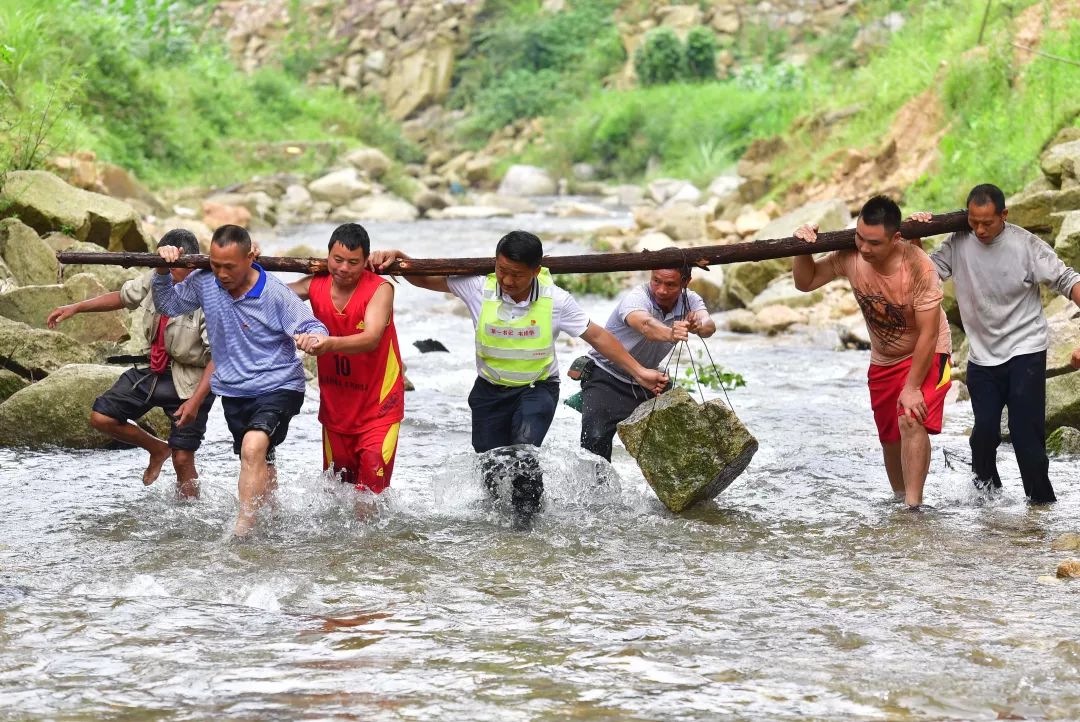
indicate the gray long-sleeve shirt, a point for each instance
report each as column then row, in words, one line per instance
column 997, row 289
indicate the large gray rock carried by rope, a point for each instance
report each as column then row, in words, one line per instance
column 688, row 452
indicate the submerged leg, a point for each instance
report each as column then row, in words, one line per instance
column 255, row 479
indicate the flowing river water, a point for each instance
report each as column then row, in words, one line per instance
column 802, row 592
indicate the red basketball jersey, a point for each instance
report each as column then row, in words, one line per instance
column 357, row 391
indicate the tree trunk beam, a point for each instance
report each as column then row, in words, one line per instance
column 698, row 256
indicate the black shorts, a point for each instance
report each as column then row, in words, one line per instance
column 137, row 391
column 270, row 413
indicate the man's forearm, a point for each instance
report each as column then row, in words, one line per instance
column 614, row 351
column 922, row 357
column 104, row 302
column 203, row 389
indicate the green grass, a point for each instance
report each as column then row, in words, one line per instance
column 148, row 88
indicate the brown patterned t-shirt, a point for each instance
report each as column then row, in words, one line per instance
column 889, row 303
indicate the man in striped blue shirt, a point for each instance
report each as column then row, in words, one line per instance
column 251, row 321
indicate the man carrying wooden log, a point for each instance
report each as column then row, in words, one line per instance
column 997, row 268
column 251, row 320
column 648, row 322
column 177, row 379
column 517, row 312
column 361, row 381
column 898, row 291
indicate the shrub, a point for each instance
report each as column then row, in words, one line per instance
column 661, row 58
column 701, row 54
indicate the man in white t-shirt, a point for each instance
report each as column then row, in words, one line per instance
column 649, row 320
column 517, row 312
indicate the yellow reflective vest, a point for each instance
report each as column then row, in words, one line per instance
column 515, row 351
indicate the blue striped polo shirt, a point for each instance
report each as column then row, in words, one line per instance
column 251, row 337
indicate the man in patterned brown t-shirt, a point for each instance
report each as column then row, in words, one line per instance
column 898, row 290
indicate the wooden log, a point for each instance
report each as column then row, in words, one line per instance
column 698, row 256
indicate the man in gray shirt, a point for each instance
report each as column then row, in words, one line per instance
column 997, row 268
column 648, row 322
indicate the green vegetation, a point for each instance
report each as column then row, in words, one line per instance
column 605, row 285
column 710, row 376
column 661, row 59
column 147, row 86
column 701, row 54
column 524, row 62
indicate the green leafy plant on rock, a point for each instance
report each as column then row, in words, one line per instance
column 704, row 373
column 660, row 59
column 701, row 54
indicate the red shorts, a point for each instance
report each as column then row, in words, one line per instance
column 886, row 383
column 365, row 459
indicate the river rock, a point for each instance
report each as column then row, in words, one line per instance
column 216, row 215
column 1068, row 569
column 1067, row 542
column 1056, row 157
column 652, row 241
column 31, row 305
column 382, row 208
column 339, row 187
column 111, row 277
column 1063, row 401
column 1063, row 441
column 665, row 190
column 46, row 203
column 459, row 213
column 27, row 259
column 34, row 353
column 1067, row 241
column 774, row 319
column 688, row 452
column 740, row 320
column 744, row 281
column 297, row 200
column 1035, row 209
column 56, row 411
column 10, row 382
column 781, row 291
column 527, row 180
column 371, row 161
column 709, row 284
column 683, row 221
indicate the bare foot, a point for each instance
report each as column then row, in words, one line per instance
column 188, row 490
column 153, row 469
column 245, row 522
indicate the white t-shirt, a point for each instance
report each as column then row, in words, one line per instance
column 566, row 315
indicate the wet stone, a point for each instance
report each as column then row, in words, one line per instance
column 1068, row 569
column 688, row 452
column 1069, row 541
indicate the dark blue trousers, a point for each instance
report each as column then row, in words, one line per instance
column 510, row 415
column 1019, row 384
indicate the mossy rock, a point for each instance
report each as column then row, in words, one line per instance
column 10, row 383
column 111, row 277
column 688, row 452
column 29, row 259
column 1064, row 441
column 32, row 304
column 56, row 410
column 35, row 353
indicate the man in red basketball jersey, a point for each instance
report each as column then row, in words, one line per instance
column 361, row 383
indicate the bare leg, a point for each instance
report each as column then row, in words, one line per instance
column 894, row 467
column 187, row 478
column 254, row 479
column 129, row 433
column 915, row 452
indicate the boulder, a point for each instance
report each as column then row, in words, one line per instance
column 653, row 241
column 853, row 332
column 297, row 200
column 628, row 195
column 1064, row 441
column 382, row 208
column 110, row 276
column 1034, row 209
column 420, row 77
column 339, row 187
column 527, row 180
column 427, row 200
column 10, row 382
column 828, row 215
column 1067, row 241
column 56, row 411
column 1067, row 542
column 35, row 353
column 774, row 319
column 744, row 281
column 688, row 452
column 578, row 209
column 1063, row 401
column 1064, row 332
column 478, row 170
column 683, row 221
column 119, row 183
column 709, row 284
column 46, row 203
column 751, row 222
column 781, row 291
column 31, row 305
column 371, row 161
column 664, row 190
column 27, row 259
column 741, row 321
column 1068, row 569
column 514, row 204
column 216, row 215
column 1056, row 157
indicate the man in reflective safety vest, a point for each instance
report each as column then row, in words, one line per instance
column 518, row 311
